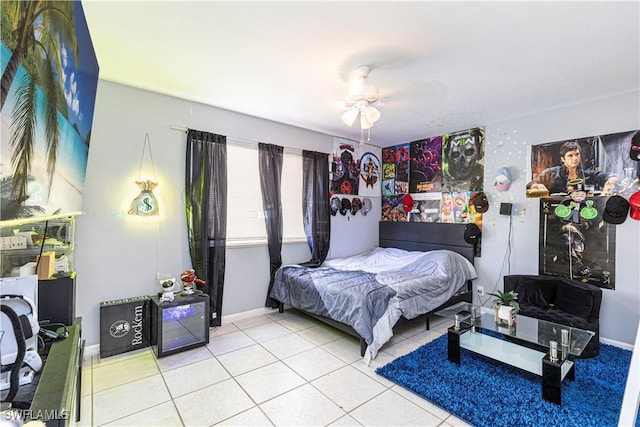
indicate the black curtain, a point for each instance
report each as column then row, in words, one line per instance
column 270, row 164
column 315, row 205
column 206, row 209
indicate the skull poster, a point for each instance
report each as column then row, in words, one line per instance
column 463, row 160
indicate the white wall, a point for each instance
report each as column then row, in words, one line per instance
column 117, row 255
column 507, row 144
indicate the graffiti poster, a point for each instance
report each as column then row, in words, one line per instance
column 52, row 92
column 426, row 165
column 463, row 160
column 370, row 175
column 600, row 163
column 393, row 210
column 345, row 167
column 581, row 249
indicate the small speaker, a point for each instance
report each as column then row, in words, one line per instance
column 505, row 208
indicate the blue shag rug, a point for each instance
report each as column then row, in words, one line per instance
column 484, row 392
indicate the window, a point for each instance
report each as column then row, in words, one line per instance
column 245, row 214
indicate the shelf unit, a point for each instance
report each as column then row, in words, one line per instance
column 48, row 235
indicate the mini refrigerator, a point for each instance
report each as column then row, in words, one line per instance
column 179, row 325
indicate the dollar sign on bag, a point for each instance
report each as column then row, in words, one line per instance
column 145, row 203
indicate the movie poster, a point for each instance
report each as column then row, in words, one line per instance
column 426, row 165
column 370, row 175
column 345, row 167
column 601, row 164
column 426, row 208
column 53, row 94
column 577, row 248
column 463, row 160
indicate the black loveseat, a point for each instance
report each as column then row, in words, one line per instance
column 560, row 300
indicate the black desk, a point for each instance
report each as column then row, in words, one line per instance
column 57, row 398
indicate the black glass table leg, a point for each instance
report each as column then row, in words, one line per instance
column 453, row 345
column 552, row 380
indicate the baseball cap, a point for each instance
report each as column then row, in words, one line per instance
column 356, row 205
column 634, row 153
column 634, row 204
column 345, row 206
column 472, row 233
column 616, row 210
column 503, row 179
column 366, row 206
column 407, row 203
column 479, row 201
column 335, row 205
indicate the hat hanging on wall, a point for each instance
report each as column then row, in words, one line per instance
column 503, row 179
column 634, row 153
column 634, row 205
column 145, row 203
column 345, row 206
column 407, row 203
column 472, row 233
column 616, row 210
column 356, row 205
column 366, row 206
column 480, row 202
column 335, row 205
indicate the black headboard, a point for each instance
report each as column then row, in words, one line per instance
column 425, row 236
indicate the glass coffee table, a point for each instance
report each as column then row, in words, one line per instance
column 544, row 348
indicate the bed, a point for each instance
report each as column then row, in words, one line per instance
column 417, row 269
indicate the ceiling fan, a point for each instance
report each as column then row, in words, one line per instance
column 362, row 101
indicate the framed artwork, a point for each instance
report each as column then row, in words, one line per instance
column 48, row 99
column 577, row 248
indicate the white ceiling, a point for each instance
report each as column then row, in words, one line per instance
column 442, row 66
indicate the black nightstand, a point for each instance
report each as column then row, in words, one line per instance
column 179, row 325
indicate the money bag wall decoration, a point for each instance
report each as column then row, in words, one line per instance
column 145, row 203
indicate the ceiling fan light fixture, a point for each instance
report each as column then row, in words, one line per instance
column 349, row 117
column 372, row 114
column 364, row 122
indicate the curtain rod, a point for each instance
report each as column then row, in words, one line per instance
column 240, row 141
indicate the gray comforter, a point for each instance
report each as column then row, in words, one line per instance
column 355, row 298
column 370, row 291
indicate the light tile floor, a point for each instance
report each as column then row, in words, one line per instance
column 282, row 369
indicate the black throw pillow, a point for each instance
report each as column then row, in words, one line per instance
column 574, row 300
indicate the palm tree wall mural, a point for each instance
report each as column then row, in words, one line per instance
column 49, row 81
